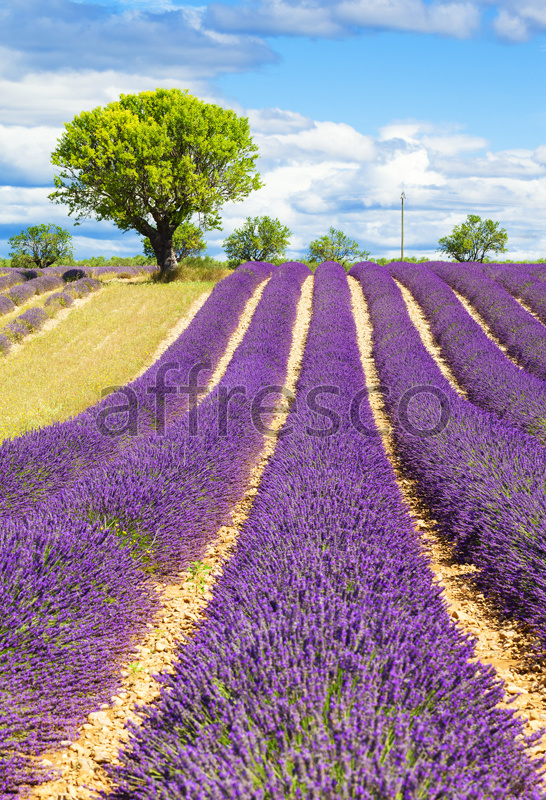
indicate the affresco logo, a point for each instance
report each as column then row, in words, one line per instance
column 422, row 411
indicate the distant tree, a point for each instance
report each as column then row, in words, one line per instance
column 259, row 239
column 473, row 239
column 188, row 242
column 151, row 161
column 336, row 246
column 41, row 245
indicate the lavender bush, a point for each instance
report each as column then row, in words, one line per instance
column 6, row 305
column 20, row 294
column 522, row 284
column 73, row 603
column 490, row 380
column 15, row 331
column 84, row 595
column 523, row 336
column 13, row 278
column 61, row 299
column 48, row 283
column 177, row 481
column 33, row 319
column 481, row 479
column 327, row 667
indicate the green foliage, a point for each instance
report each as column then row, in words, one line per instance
column 259, row 239
column 473, row 239
column 113, row 261
column 151, row 161
column 198, row 571
column 188, row 242
column 336, row 246
column 40, row 246
column 411, row 260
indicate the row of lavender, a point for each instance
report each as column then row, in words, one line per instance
column 15, row 277
column 71, row 285
column 523, row 336
column 45, row 461
column 523, row 282
column 34, row 318
column 75, row 569
column 482, row 479
column 490, row 380
column 327, row 666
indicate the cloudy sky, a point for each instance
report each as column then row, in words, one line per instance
column 350, row 102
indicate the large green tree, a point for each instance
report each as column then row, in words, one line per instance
column 151, row 161
column 336, row 246
column 41, row 245
column 473, row 239
column 259, row 239
column 187, row 242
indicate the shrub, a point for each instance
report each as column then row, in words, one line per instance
column 12, row 278
column 51, row 282
column 6, row 305
column 16, row 331
column 91, row 283
column 34, row 318
column 73, row 274
column 20, row 294
column 61, row 299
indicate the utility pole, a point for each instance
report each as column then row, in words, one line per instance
column 402, row 198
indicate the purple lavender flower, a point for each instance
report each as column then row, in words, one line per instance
column 62, row 299
column 327, row 667
column 34, row 318
column 20, row 294
column 6, row 305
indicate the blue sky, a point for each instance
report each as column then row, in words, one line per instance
column 350, row 102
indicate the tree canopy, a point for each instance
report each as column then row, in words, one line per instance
column 41, row 245
column 336, row 246
column 151, row 161
column 259, row 239
column 188, row 242
column 473, row 239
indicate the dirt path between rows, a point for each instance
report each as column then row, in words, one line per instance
column 505, row 644
column 484, row 326
column 183, row 597
column 527, row 308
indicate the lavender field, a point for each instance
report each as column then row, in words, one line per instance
column 255, row 505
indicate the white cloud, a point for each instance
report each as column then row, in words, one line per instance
column 48, row 35
column 322, row 18
column 276, row 17
column 322, row 140
column 52, row 98
column 276, row 120
column 25, row 153
column 313, row 183
column 449, row 19
column 319, row 174
column 511, row 27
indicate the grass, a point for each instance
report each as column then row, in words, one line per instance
column 106, row 342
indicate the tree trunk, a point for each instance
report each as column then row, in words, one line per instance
column 162, row 243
